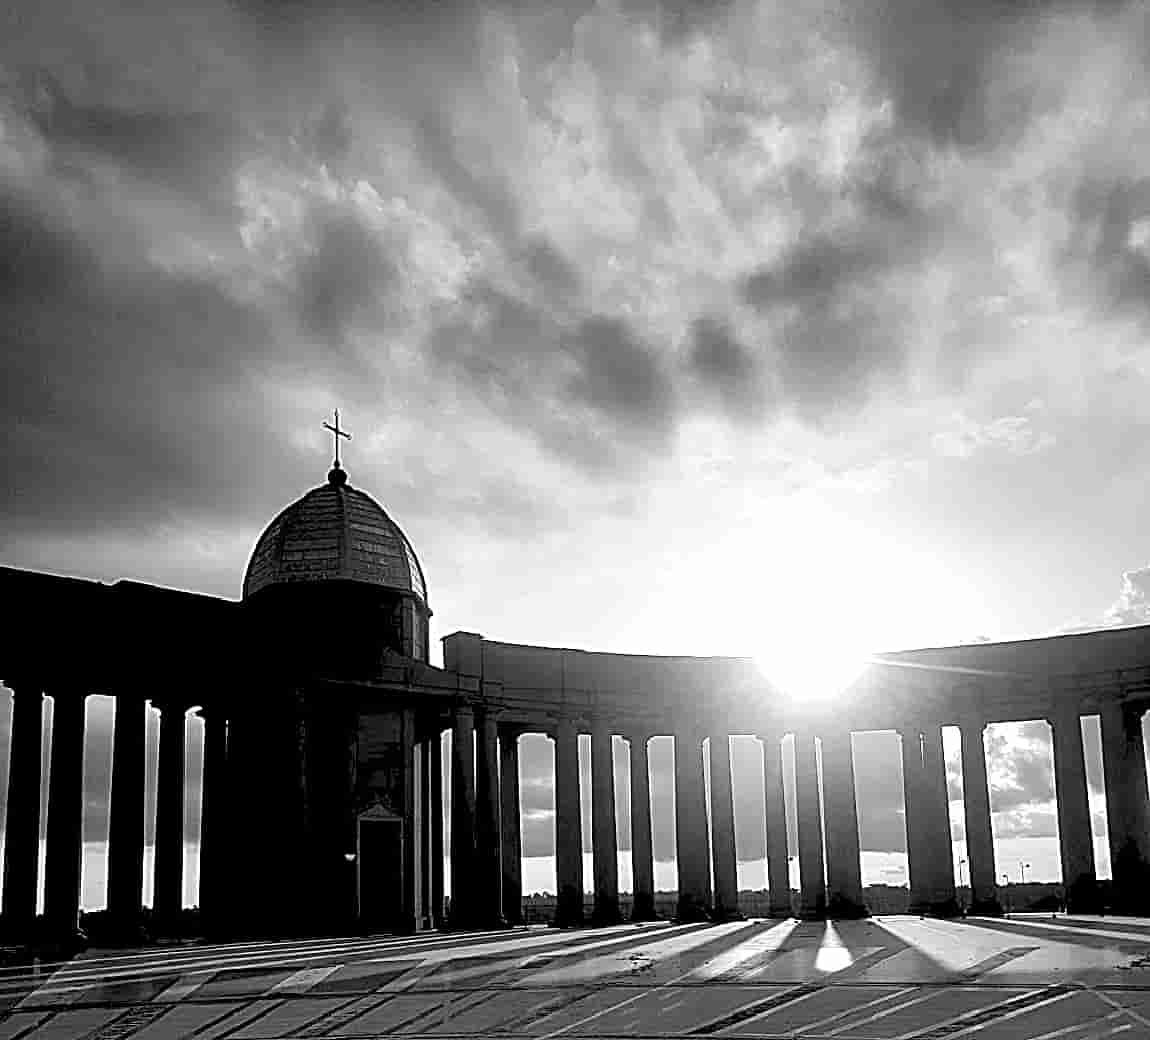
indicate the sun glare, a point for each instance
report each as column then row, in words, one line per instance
column 814, row 667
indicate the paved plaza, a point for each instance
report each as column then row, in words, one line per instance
column 1026, row 978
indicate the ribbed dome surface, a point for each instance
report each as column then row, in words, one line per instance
column 335, row 532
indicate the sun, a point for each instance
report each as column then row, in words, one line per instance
column 812, row 666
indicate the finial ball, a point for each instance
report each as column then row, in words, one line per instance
column 337, row 476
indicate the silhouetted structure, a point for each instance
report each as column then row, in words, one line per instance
column 323, row 774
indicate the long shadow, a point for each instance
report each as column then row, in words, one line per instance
column 1016, row 927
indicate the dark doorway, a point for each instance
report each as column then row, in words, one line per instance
column 380, row 860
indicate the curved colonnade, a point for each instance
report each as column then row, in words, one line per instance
column 491, row 693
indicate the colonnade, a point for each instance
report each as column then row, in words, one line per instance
column 485, row 875
column 487, row 881
column 64, row 838
column 485, row 817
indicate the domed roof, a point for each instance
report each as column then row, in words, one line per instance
column 335, row 532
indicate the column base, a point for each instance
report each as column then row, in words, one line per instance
column 127, row 930
column 985, row 908
column 779, row 908
column 18, row 932
column 60, row 940
column 608, row 915
column 1083, row 897
column 569, row 910
column 936, row 908
column 846, row 910
column 643, row 909
column 719, row 916
column 690, row 910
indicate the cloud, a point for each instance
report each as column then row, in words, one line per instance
column 1110, row 242
column 119, row 405
column 727, row 369
column 621, row 378
column 942, row 63
column 1133, row 604
column 346, row 274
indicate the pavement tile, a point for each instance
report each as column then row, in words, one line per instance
column 183, row 1020
column 818, row 1005
column 19, row 1023
column 291, row 1015
column 72, row 1025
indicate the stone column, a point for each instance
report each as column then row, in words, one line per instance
column 22, row 832
column 916, row 855
column 1124, row 764
column 65, row 818
column 213, row 820
column 463, row 864
column 642, row 859
column 489, row 903
column 775, row 818
column 435, row 817
column 724, row 855
column 568, row 827
column 976, row 809
column 691, row 842
column 168, row 898
column 427, row 919
column 1075, row 835
column 509, row 819
column 126, row 817
column 938, row 846
column 812, row 883
column 844, row 864
column 411, row 860
column 605, row 853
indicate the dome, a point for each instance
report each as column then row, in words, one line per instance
column 335, row 533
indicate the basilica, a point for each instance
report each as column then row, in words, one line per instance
column 324, row 796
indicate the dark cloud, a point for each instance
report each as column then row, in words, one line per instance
column 191, row 155
column 552, row 269
column 483, row 190
column 815, row 272
column 340, row 281
column 621, row 378
column 838, row 319
column 939, row 62
column 1109, row 244
column 123, row 386
column 727, row 368
column 591, row 392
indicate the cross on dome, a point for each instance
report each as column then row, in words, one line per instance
column 337, row 474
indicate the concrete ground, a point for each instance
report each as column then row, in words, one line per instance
column 1025, row 978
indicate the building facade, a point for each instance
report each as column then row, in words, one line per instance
column 323, row 801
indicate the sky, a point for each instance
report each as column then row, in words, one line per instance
column 826, row 318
